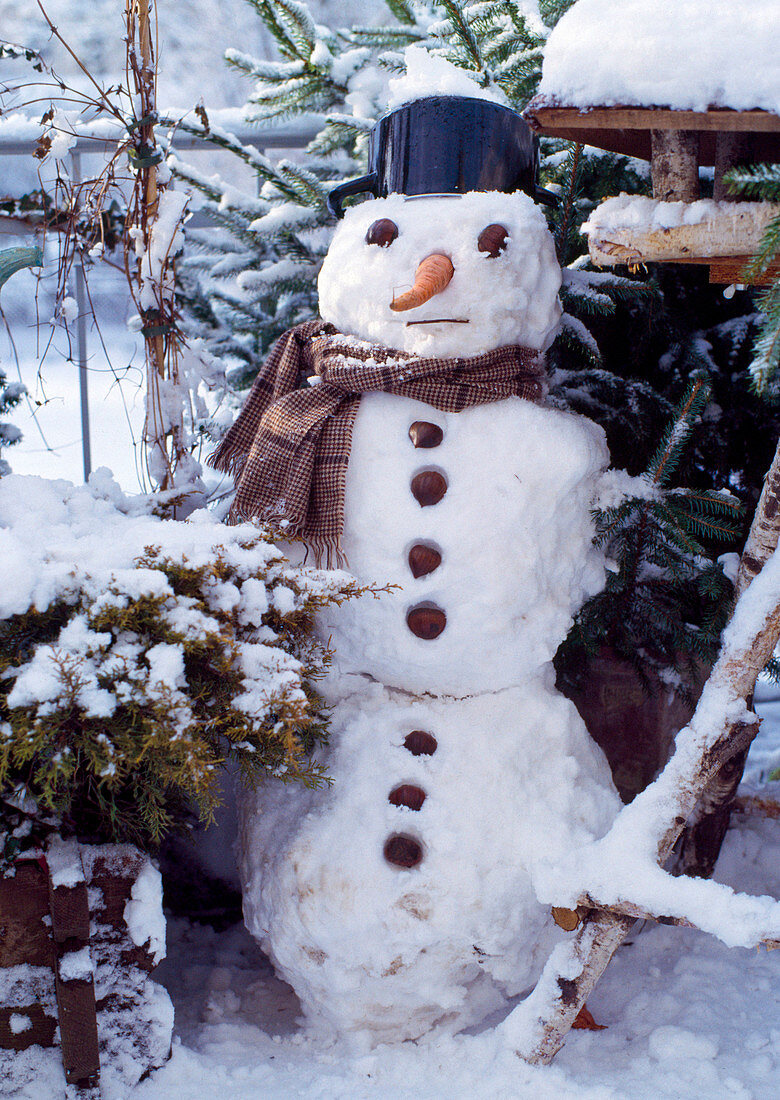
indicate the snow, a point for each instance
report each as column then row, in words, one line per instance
column 143, row 912
column 534, row 545
column 509, row 299
column 686, row 1017
column 76, row 965
column 64, row 862
column 55, row 536
column 641, row 212
column 428, row 75
column 166, row 240
column 684, row 54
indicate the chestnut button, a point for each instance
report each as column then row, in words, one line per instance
column 423, row 560
column 424, row 434
column 403, row 850
column 407, row 795
column 428, row 487
column 426, row 622
column 420, row 743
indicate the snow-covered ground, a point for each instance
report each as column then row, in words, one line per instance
column 685, row 1018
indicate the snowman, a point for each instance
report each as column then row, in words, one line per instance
column 423, row 456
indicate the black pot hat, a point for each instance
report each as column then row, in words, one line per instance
column 447, row 144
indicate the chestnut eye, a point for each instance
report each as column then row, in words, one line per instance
column 382, row 233
column 493, row 239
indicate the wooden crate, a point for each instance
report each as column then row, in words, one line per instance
column 70, row 972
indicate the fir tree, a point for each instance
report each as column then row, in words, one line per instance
column 10, row 395
column 762, row 182
column 665, row 597
column 628, row 345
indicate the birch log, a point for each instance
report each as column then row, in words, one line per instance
column 537, row 1028
column 728, row 229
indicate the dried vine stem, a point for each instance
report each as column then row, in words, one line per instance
column 537, row 1028
column 152, row 281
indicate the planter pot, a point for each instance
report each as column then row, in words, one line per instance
column 81, row 930
column 636, row 730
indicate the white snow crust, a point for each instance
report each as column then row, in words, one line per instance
column 143, row 913
column 76, row 965
column 64, row 862
column 428, row 75
column 509, row 299
column 641, row 212
column 684, row 54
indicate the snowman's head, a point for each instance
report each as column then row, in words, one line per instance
column 500, row 286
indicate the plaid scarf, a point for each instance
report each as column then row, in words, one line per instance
column 289, row 448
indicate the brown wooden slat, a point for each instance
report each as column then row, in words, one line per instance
column 626, row 130
column 69, row 912
column 652, row 118
column 78, row 1031
column 39, row 1033
column 731, row 269
column 24, row 902
column 76, row 1008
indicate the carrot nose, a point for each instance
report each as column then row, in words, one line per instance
column 431, row 277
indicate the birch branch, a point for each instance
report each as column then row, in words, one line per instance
column 537, row 1028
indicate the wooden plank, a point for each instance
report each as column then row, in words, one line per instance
column 39, row 1030
column 731, row 269
column 549, row 118
column 78, row 1031
column 76, row 1009
column 69, row 912
column 24, row 903
column 626, row 130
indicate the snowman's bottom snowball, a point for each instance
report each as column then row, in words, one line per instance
column 370, row 947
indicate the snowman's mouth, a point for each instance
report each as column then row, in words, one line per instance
column 439, row 321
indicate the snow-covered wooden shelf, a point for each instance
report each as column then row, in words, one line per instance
column 627, row 130
column 699, row 90
column 634, row 230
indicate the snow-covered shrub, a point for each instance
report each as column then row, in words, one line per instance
column 138, row 654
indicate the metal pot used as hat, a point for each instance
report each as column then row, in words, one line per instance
column 445, row 144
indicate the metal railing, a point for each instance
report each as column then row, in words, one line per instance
column 281, row 137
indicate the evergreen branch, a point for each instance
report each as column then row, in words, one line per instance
column 563, row 227
column 766, row 356
column 755, row 181
column 463, row 35
column 397, row 38
column 266, row 10
column 666, row 459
